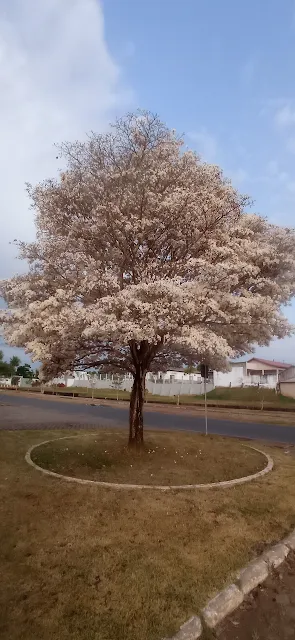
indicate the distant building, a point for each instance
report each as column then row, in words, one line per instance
column 287, row 382
column 170, row 382
column 17, row 381
column 72, row 379
column 174, row 375
column 253, row 372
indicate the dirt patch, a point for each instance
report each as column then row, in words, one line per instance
column 268, row 613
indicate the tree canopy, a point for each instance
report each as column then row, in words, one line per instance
column 8, row 369
column 25, row 371
column 146, row 258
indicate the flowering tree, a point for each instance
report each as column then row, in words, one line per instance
column 145, row 258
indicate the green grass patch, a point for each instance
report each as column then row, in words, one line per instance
column 252, row 394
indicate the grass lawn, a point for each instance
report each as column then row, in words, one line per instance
column 250, row 395
column 90, row 563
column 167, row 459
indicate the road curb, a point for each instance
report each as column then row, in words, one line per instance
column 224, row 603
column 116, row 485
column 230, row 598
column 190, row 630
column 276, row 555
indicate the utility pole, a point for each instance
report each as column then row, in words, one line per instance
column 204, row 374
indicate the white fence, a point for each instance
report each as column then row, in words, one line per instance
column 178, row 388
column 21, row 382
column 161, row 388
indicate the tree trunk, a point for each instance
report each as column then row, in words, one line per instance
column 142, row 354
column 136, row 409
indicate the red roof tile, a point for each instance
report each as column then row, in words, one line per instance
column 272, row 363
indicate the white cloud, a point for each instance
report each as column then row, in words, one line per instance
column 274, row 171
column 282, row 350
column 273, row 167
column 238, row 176
column 280, row 178
column 248, row 72
column 58, row 80
column 290, row 144
column 291, row 186
column 129, row 49
column 206, row 144
column 285, row 116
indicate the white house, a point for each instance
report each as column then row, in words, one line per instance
column 253, row 372
column 5, row 382
column 172, row 382
column 72, row 379
column 287, row 382
column 18, row 381
column 82, row 378
column 232, row 378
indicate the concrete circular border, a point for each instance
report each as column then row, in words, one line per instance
column 114, row 485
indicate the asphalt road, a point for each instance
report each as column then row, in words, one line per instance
column 31, row 410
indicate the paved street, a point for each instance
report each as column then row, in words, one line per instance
column 32, row 412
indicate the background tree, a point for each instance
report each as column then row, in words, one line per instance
column 190, row 368
column 14, row 362
column 25, row 371
column 8, row 369
column 4, row 367
column 145, row 258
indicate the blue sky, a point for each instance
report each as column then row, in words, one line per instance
column 220, row 72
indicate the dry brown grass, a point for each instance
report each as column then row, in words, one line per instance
column 88, row 563
column 166, row 459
